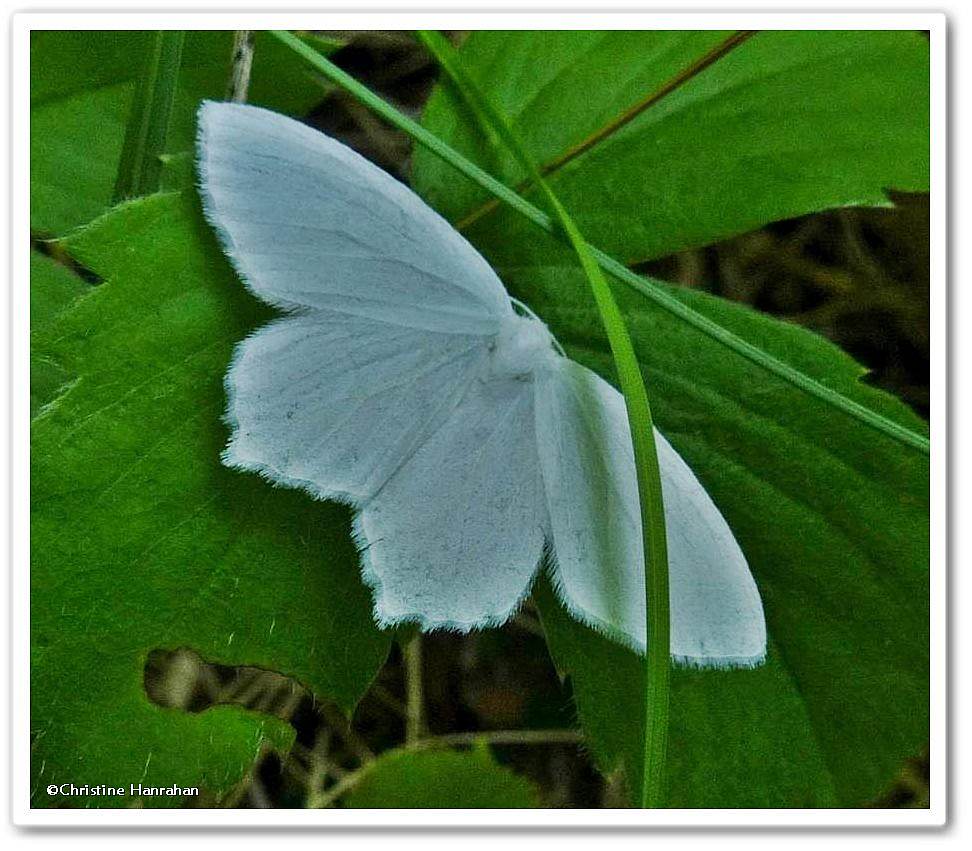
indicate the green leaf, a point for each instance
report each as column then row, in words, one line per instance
column 403, row 779
column 833, row 520
column 786, row 123
column 141, row 539
column 736, row 738
column 52, row 289
column 82, row 83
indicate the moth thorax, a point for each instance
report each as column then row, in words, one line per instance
column 522, row 345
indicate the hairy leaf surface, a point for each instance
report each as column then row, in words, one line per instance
column 141, row 539
column 786, row 123
column 52, row 289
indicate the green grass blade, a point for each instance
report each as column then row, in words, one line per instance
column 140, row 166
column 657, row 663
column 663, row 299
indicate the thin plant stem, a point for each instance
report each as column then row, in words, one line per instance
column 651, row 290
column 239, row 82
column 385, row 697
column 140, row 165
column 330, row 797
column 414, row 697
column 504, row 737
column 338, row 722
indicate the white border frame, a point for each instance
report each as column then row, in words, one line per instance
column 21, row 812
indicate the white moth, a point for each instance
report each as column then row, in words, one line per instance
column 402, row 381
